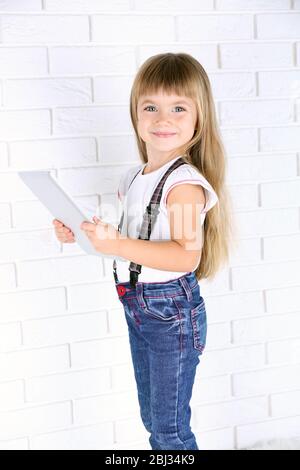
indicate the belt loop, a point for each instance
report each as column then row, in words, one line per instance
column 139, row 294
column 186, row 287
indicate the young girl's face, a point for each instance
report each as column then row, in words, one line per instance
column 173, row 115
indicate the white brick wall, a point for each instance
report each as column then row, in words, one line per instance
column 66, row 69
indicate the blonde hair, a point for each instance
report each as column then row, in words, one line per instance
column 183, row 75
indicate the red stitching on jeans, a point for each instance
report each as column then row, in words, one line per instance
column 163, row 296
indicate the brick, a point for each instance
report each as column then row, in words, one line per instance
column 161, row 5
column 107, row 407
column 285, row 404
column 93, row 119
column 11, row 395
column 281, row 138
column 34, row 420
column 22, row 305
column 216, row 27
column 87, row 5
column 278, row 26
column 266, row 275
column 262, row 167
column 7, row 277
column 71, row 385
column 130, row 429
column 5, row 216
column 282, row 247
column 135, row 28
column 23, row 61
column 255, row 112
column 112, row 89
column 216, row 439
column 45, row 29
column 116, row 321
column 24, row 124
column 55, row 152
column 230, row 413
column 205, row 53
column 281, row 194
column 31, row 244
column 232, row 85
column 63, row 329
column 279, row 83
column 94, row 296
column 240, row 141
column 234, row 305
column 48, row 92
column 266, row 222
column 254, row 330
column 91, row 60
column 250, row 434
column 27, row 362
column 123, row 377
column 16, row 5
column 255, row 55
column 241, row 5
column 266, row 379
column 105, row 351
column 283, row 299
column 56, row 271
column 110, row 150
column 96, row 437
column 10, row 336
column 232, row 359
column 211, row 389
column 283, row 351
column 3, row 156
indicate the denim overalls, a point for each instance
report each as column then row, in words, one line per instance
column 167, row 333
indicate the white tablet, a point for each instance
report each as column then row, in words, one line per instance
column 61, row 205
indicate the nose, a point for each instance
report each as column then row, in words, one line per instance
column 162, row 116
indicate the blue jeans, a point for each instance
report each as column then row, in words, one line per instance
column 167, row 334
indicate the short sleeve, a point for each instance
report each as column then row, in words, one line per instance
column 187, row 174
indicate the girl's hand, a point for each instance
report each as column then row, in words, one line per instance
column 63, row 233
column 103, row 236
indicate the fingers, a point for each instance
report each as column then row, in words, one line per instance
column 63, row 233
column 88, row 227
column 57, row 222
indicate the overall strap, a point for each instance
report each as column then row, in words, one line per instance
column 150, row 216
column 120, row 229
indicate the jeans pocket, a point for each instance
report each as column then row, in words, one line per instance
column 199, row 326
column 161, row 308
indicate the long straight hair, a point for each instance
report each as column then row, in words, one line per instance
column 183, row 75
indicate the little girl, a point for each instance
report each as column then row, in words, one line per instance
column 156, row 278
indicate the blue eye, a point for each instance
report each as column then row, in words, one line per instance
column 154, row 106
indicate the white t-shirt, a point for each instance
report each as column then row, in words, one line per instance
column 134, row 201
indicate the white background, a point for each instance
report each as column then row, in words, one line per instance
column 66, row 69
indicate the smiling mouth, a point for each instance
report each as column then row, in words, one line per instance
column 164, row 134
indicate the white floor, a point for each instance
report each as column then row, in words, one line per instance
column 276, row 444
